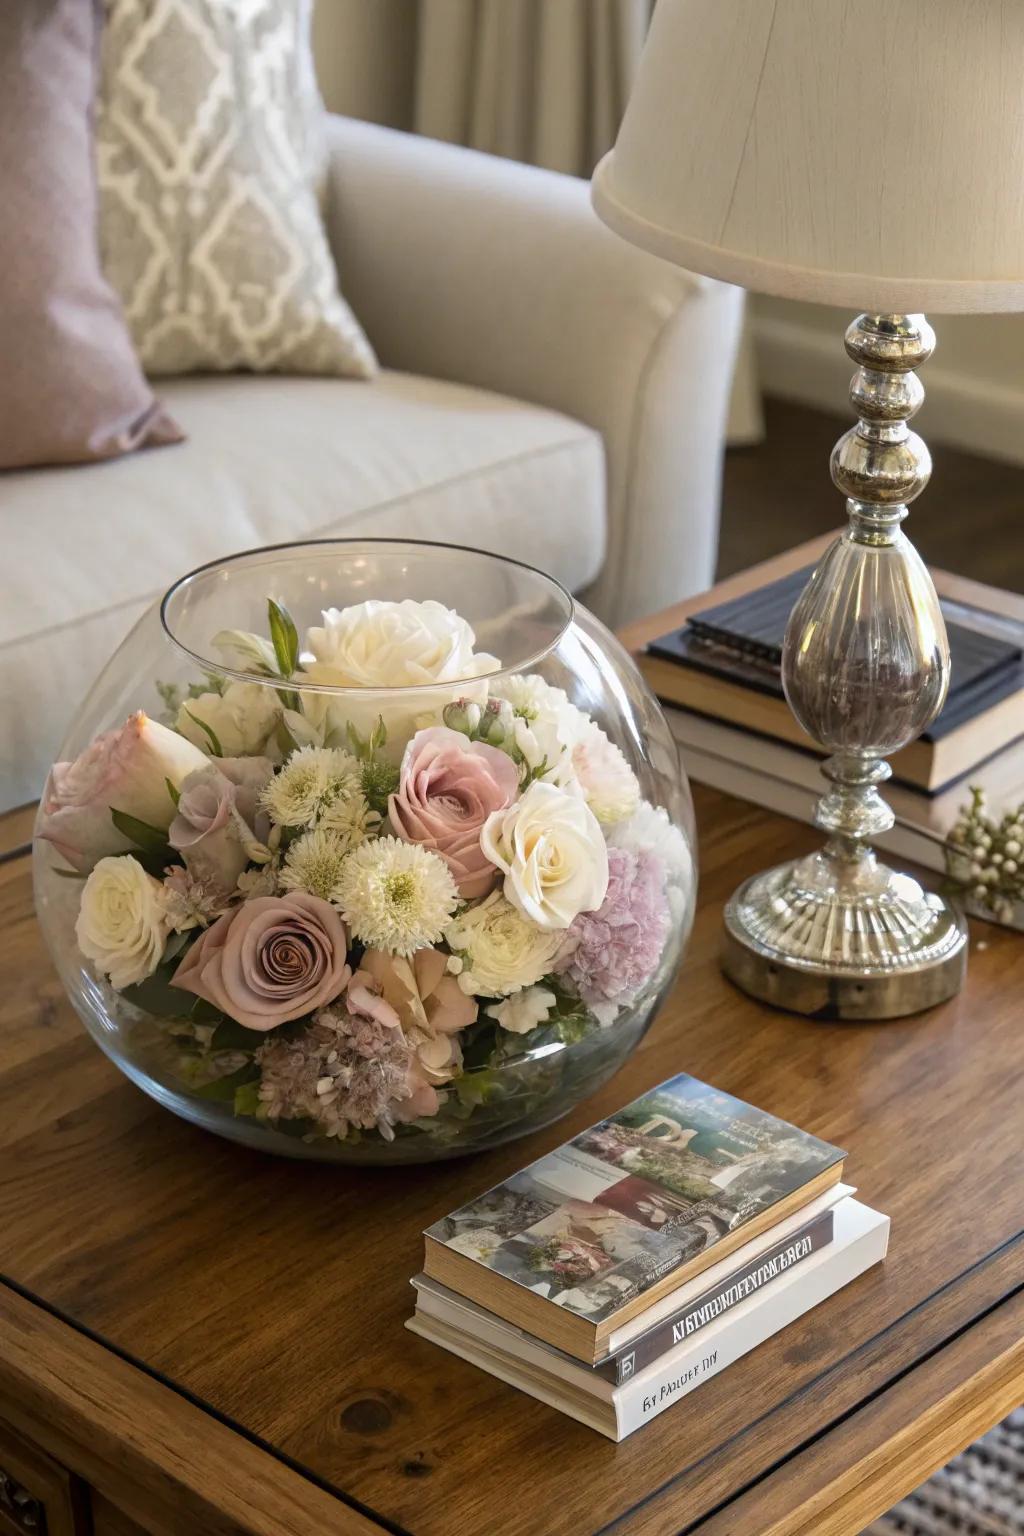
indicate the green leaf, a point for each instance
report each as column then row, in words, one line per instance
column 359, row 745
column 247, row 1099
column 156, row 995
column 174, row 793
column 149, row 839
column 222, row 1090
column 232, row 1036
column 208, row 732
column 297, row 1128
column 284, row 637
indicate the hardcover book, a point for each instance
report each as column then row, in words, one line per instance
column 588, row 1237
column 725, row 663
column 617, row 1408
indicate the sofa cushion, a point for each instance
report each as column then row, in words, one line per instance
column 70, row 386
column 269, row 460
column 209, row 138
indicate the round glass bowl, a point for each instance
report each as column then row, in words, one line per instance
column 180, row 732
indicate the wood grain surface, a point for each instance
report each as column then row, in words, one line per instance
column 276, row 1292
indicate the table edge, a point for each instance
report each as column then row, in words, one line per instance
column 158, row 1452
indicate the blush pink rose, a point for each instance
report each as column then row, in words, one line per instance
column 213, row 827
column 123, row 770
column 449, row 786
column 271, row 960
column 432, row 1010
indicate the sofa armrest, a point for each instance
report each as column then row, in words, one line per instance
column 499, row 275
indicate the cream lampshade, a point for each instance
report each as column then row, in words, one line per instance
column 860, row 152
column 869, row 153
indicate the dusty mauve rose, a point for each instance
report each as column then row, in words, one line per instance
column 432, row 1009
column 449, row 786
column 214, row 822
column 127, row 770
column 271, row 960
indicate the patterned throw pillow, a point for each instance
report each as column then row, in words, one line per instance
column 209, row 149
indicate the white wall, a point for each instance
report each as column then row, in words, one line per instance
column 974, row 385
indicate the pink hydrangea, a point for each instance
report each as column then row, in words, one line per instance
column 609, row 954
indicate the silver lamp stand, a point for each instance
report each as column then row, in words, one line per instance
column 865, row 667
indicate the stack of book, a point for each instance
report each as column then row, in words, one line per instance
column 636, row 1261
column 721, row 676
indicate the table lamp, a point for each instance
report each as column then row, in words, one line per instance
column 869, row 155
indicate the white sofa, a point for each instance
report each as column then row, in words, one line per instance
column 547, row 391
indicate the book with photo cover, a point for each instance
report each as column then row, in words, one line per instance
column 616, row 1409
column 585, row 1239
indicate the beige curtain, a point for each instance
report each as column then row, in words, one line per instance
column 545, row 81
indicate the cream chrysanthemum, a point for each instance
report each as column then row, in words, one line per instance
column 312, row 780
column 351, row 819
column 313, row 863
column 396, row 896
column 498, row 950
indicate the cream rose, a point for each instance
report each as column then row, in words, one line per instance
column 377, row 646
column 497, row 951
column 553, row 855
column 243, row 720
column 123, row 922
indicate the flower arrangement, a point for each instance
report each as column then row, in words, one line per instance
column 354, row 878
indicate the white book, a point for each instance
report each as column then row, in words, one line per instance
column 785, row 780
column 860, row 1240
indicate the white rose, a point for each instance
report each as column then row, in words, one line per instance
column 243, row 720
column 123, row 921
column 378, row 646
column 524, row 1010
column 501, row 951
column 553, row 855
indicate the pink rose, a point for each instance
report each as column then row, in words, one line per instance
column 214, row 823
column 271, row 960
column 449, row 786
column 123, row 770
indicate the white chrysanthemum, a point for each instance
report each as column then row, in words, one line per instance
column 500, row 951
column 313, row 863
column 312, row 779
column 524, row 1010
column 650, row 829
column 352, row 820
column 609, row 785
column 396, row 896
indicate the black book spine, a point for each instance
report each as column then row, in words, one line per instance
column 714, row 1303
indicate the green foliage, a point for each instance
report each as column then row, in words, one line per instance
column 380, row 779
column 175, row 794
column 209, row 732
column 284, row 637
column 152, row 849
column 222, row 1090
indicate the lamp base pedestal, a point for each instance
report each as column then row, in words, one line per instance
column 838, row 938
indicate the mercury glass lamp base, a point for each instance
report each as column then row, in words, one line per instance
column 836, row 939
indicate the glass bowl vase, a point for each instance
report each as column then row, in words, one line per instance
column 367, row 851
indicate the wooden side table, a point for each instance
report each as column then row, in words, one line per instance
column 198, row 1340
